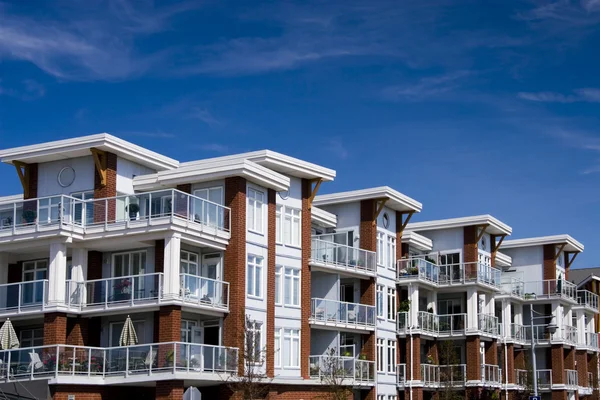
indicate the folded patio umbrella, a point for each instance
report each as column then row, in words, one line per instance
column 128, row 336
column 8, row 336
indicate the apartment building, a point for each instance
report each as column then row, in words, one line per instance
column 226, row 260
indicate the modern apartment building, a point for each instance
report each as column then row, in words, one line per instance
column 236, row 258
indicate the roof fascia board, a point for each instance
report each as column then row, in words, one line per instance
column 492, row 222
column 544, row 240
column 323, row 218
column 370, row 194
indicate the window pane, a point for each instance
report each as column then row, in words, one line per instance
column 250, row 277
column 258, row 281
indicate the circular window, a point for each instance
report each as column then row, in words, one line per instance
column 386, row 220
column 66, row 176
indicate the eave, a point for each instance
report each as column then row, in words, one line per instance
column 571, row 245
column 394, row 199
column 493, row 225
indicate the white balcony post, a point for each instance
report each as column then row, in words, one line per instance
column 3, row 279
column 413, row 313
column 79, row 274
column 506, row 309
column 472, row 314
column 581, row 329
column 432, row 300
column 57, row 273
column 558, row 313
column 518, row 313
column 172, row 281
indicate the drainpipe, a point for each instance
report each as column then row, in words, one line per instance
column 505, row 350
column 411, row 348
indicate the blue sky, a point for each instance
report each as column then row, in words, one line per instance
column 468, row 106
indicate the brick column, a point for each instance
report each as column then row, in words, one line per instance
column 33, row 181
column 169, row 390
column 549, row 262
column 305, row 277
column 582, row 367
column 470, row 251
column 558, row 364
column 106, row 210
column 86, row 392
column 416, row 355
column 473, row 358
column 77, row 331
column 491, row 353
column 512, row 363
column 235, row 267
column 186, row 188
column 592, row 366
column 271, row 215
column 55, row 328
column 169, row 330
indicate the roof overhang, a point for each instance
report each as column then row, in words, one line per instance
column 493, row 225
column 277, row 162
column 394, row 199
column 323, row 218
column 80, row 147
column 571, row 245
column 417, row 241
column 11, row 199
column 206, row 172
column 591, row 277
column 503, row 260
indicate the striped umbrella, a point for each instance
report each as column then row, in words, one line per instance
column 128, row 336
column 8, row 336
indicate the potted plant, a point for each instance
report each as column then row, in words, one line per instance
column 347, row 354
column 404, row 306
column 29, row 216
column 133, row 211
column 430, row 310
column 430, row 359
column 412, row 270
column 169, row 358
column 122, row 289
column 362, row 356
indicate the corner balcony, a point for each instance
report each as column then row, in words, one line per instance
column 101, row 218
column 487, row 324
column 417, row 269
column 23, row 298
column 522, row 378
column 512, row 287
column 444, row 376
column 571, row 379
column 62, row 364
column 587, row 300
column 444, row 325
column 591, row 341
column 491, row 375
column 543, row 336
column 550, row 289
column 401, row 377
column 337, row 370
column 345, row 260
column 340, row 315
column 516, row 333
column 544, row 379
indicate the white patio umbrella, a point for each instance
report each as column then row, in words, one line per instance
column 8, row 336
column 128, row 336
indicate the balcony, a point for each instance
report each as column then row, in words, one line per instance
column 491, row 375
column 401, row 374
column 94, row 217
column 512, row 287
column 571, row 379
column 514, row 332
column 23, row 297
column 337, row 370
column 146, row 362
column 522, row 377
column 204, row 292
column 430, row 375
column 488, row 324
column 591, row 340
column 449, row 376
column 445, row 325
column 342, row 315
column 550, row 289
column 417, row 269
column 588, row 300
column 342, row 259
column 569, row 334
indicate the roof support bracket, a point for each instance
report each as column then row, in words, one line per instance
column 570, row 260
column 405, row 222
column 23, row 172
column 560, row 249
column 379, row 204
column 100, row 163
column 496, row 245
column 313, row 190
column 480, row 234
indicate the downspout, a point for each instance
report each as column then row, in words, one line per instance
column 411, row 349
column 505, row 352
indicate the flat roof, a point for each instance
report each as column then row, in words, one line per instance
column 503, row 260
column 572, row 245
column 418, row 241
column 395, row 200
column 80, row 147
column 494, row 225
column 218, row 169
column 323, row 218
column 277, row 162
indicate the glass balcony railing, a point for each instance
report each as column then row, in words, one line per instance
column 204, row 291
column 553, row 288
column 400, row 374
column 591, row 340
column 569, row 334
column 571, row 378
column 544, row 378
column 488, row 324
column 491, row 374
column 518, row 332
column 424, row 269
column 402, row 322
column 342, row 257
column 340, row 313
column 418, row 268
column 443, row 375
column 587, row 299
column 430, row 374
column 512, row 286
column 452, row 324
column 328, row 369
column 22, row 297
column 522, row 378
column 434, row 324
column 121, row 363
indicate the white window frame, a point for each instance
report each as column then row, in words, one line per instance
column 295, row 285
column 292, row 347
column 278, row 224
column 130, row 266
column 35, row 337
column 255, row 204
column 391, row 356
column 391, row 252
column 277, row 347
column 391, row 303
column 254, row 329
column 380, row 248
column 293, row 218
column 278, row 285
column 254, row 270
column 380, row 301
column 380, row 355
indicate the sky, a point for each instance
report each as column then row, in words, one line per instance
column 469, row 106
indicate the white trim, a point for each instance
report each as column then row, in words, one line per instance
column 571, row 244
column 395, row 200
column 323, row 218
column 495, row 226
column 419, row 242
column 503, row 260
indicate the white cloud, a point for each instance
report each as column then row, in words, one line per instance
column 337, row 147
column 215, row 147
column 591, row 95
column 428, row 87
column 27, row 89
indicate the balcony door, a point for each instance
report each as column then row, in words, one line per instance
column 211, row 269
column 83, row 211
column 450, row 268
column 208, row 213
column 34, row 272
column 129, row 266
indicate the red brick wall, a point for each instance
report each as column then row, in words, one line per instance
column 108, row 190
column 549, row 262
column 159, row 255
column 593, row 368
column 169, row 390
column 81, row 392
column 558, row 364
column 473, row 358
column 470, row 251
column 520, row 359
column 511, row 361
column 271, row 215
column 491, row 353
column 235, row 265
column 55, row 328
column 77, row 331
column 277, row 392
column 417, row 394
column 169, row 329
column 582, row 367
column 305, row 277
column 559, row 394
column 416, row 365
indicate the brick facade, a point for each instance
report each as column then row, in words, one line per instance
column 77, row 331
column 473, row 358
column 558, row 364
column 582, row 367
column 416, row 366
column 271, row 216
column 549, row 269
column 81, row 392
column 510, row 358
column 55, row 328
column 32, row 170
column 305, row 278
column 470, row 251
column 169, row 390
column 235, row 265
column 106, row 211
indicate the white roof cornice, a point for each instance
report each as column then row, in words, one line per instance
column 494, row 226
column 418, row 241
column 323, row 218
column 80, row 147
column 204, row 172
column 570, row 243
column 395, row 200
column 503, row 260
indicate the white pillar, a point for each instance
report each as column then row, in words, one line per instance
column 77, row 289
column 57, row 273
column 3, row 279
column 172, row 281
column 581, row 328
column 506, row 312
column 413, row 296
column 518, row 313
column 472, row 301
column 432, row 300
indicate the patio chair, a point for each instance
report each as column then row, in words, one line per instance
column 35, row 363
column 150, row 359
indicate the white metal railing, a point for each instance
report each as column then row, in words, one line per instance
column 488, row 323
column 23, row 296
column 342, row 313
column 430, row 374
column 326, row 367
column 544, row 378
column 512, row 286
column 434, row 324
column 452, row 324
column 418, row 268
column 590, row 380
column 402, row 322
column 571, row 378
column 587, row 299
column 518, row 332
column 453, row 375
column 204, row 291
column 39, row 214
column 45, row 362
column 400, row 374
column 491, row 373
column 552, row 288
column 569, row 334
column 341, row 256
column 591, row 340
column 455, row 274
column 522, row 377
column 118, row 291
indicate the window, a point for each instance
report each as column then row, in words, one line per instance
column 208, row 211
column 189, row 263
column 83, row 212
column 126, row 264
column 34, row 272
column 254, row 276
column 391, row 252
column 391, row 356
column 291, row 227
column 380, row 397
column 291, row 347
column 32, row 337
column 290, row 287
column 117, row 327
column 380, row 301
column 254, row 341
column 277, row 346
column 278, row 278
column 278, row 235
column 391, row 306
column 380, row 355
column 255, row 210
column 380, row 248
column 392, row 397
column 187, row 330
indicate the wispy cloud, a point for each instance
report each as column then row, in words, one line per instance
column 204, row 115
column 428, row 87
column 591, row 95
column 27, row 89
column 563, row 13
column 215, row 147
column 582, row 140
column 150, row 134
column 337, row 147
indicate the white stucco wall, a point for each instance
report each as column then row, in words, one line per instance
column 126, row 171
column 48, row 176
